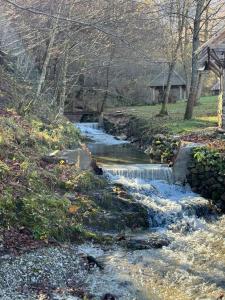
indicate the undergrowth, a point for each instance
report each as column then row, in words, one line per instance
column 32, row 192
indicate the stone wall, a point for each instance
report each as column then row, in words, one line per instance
column 207, row 175
column 163, row 148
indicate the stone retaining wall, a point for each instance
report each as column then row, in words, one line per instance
column 207, row 175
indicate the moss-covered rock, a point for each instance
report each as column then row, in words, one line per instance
column 163, row 148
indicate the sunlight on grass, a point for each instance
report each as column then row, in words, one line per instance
column 205, row 115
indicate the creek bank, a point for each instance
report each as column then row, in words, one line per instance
column 130, row 128
column 157, row 143
column 54, row 198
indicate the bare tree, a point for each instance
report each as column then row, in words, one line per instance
column 201, row 6
column 180, row 14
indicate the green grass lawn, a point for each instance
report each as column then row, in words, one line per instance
column 205, row 115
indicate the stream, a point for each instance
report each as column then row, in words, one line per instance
column 192, row 266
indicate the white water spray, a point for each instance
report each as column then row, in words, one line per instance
column 191, row 267
column 97, row 135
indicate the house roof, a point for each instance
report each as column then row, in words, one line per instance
column 216, row 87
column 212, row 53
column 161, row 79
column 218, row 40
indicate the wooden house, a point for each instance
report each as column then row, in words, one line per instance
column 215, row 90
column 212, row 58
column 158, row 85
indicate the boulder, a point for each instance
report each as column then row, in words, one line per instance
column 153, row 241
column 80, row 157
column 183, row 159
column 108, row 296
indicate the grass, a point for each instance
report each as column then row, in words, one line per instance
column 205, row 115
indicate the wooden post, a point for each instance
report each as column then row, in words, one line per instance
column 221, row 103
column 223, row 100
column 153, row 94
column 181, row 93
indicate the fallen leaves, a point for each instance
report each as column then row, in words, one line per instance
column 17, row 241
column 73, row 209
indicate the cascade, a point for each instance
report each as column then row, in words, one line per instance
column 170, row 205
column 97, row 135
column 190, row 267
column 86, row 126
column 142, row 171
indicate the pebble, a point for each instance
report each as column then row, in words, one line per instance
column 45, row 269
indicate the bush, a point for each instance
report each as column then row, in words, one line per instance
column 207, row 174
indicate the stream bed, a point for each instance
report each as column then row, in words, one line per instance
column 191, row 266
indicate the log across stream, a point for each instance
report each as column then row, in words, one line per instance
column 191, row 265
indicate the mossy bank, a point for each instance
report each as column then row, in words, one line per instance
column 56, row 200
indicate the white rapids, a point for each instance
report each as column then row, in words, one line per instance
column 97, row 135
column 192, row 267
column 142, row 171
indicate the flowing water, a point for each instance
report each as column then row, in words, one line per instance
column 192, row 266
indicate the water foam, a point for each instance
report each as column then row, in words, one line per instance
column 97, row 135
column 142, row 171
column 190, row 268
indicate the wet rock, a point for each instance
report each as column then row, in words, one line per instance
column 120, row 211
column 92, row 262
column 96, row 168
column 152, row 242
column 80, row 157
column 53, row 159
column 121, row 137
column 199, row 207
column 121, row 237
column 108, row 297
column 183, row 161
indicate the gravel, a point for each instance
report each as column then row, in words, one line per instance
column 47, row 273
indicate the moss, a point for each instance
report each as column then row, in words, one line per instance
column 83, row 182
column 35, row 195
column 207, row 174
column 163, row 148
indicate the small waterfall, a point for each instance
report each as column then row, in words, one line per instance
column 145, row 172
column 87, row 125
column 190, row 267
column 97, row 135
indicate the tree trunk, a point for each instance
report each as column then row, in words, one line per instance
column 181, row 19
column 194, row 76
column 47, row 59
column 199, row 88
column 201, row 75
column 107, row 80
column 62, row 99
column 184, row 53
column 167, row 90
column 48, row 52
column 221, row 105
